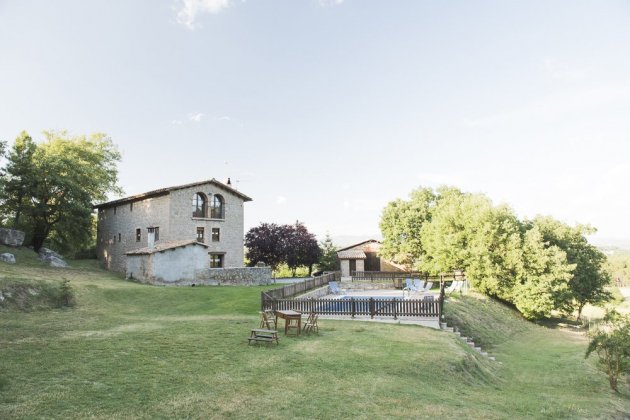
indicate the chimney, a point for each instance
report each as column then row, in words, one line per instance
column 151, row 237
column 229, row 182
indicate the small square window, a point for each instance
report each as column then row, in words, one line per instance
column 200, row 234
column 215, row 235
column 216, row 260
column 138, row 235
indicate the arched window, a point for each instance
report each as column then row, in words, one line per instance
column 199, row 205
column 217, row 210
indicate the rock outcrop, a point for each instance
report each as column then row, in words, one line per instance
column 11, row 237
column 8, row 258
column 52, row 258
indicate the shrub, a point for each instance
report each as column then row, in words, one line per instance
column 611, row 341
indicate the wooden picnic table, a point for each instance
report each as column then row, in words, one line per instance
column 290, row 317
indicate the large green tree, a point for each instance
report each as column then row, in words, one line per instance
column 590, row 277
column 400, row 225
column 503, row 257
column 542, row 285
column 20, row 179
column 53, row 185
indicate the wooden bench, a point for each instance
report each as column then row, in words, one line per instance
column 261, row 335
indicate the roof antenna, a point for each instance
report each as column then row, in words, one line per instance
column 229, row 182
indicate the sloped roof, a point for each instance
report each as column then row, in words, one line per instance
column 165, row 191
column 351, row 255
column 360, row 243
column 164, row 246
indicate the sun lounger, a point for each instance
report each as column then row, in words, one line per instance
column 411, row 286
column 419, row 284
column 454, row 286
column 427, row 287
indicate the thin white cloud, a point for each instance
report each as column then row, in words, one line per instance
column 189, row 10
column 177, row 122
column 195, row 117
column 281, row 200
column 225, row 118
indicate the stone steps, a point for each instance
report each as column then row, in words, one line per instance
column 444, row 326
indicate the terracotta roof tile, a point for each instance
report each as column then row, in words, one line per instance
column 165, row 191
column 163, row 246
column 351, row 255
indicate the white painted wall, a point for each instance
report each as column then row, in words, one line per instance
column 168, row 266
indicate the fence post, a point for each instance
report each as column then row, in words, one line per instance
column 353, row 306
column 372, row 308
column 441, row 302
column 395, row 306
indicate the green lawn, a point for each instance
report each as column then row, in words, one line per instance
column 133, row 351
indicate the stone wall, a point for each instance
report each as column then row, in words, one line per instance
column 116, row 231
column 172, row 213
column 231, row 229
column 244, row 276
column 320, row 292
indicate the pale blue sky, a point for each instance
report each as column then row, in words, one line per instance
column 324, row 111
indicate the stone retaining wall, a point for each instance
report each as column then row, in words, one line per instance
column 241, row 276
column 315, row 294
column 365, row 285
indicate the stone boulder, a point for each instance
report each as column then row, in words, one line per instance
column 11, row 237
column 8, row 258
column 52, row 258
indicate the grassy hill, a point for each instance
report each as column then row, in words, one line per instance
column 127, row 350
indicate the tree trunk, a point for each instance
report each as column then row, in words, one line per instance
column 613, row 382
column 580, row 307
column 16, row 221
column 38, row 241
column 40, row 233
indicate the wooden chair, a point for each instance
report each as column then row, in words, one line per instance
column 267, row 321
column 311, row 324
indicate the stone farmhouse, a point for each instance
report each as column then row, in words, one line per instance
column 173, row 234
